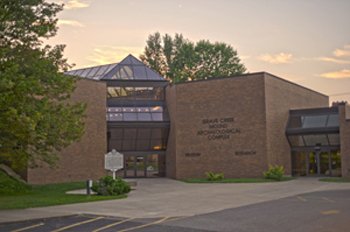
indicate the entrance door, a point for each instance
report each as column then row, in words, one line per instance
column 150, row 165
column 311, row 163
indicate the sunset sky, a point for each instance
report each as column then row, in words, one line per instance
column 307, row 42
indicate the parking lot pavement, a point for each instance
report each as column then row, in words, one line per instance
column 92, row 223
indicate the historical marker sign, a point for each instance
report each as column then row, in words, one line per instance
column 114, row 161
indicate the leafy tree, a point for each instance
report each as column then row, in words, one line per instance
column 179, row 59
column 36, row 118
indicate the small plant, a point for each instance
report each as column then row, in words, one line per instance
column 211, row 176
column 106, row 186
column 275, row 172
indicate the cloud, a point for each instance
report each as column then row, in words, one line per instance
column 280, row 58
column 72, row 4
column 111, row 54
column 345, row 73
column 334, row 60
column 73, row 23
column 342, row 52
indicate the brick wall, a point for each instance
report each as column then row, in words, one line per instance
column 84, row 159
column 344, row 127
column 281, row 96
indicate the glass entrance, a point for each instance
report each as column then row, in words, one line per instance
column 150, row 165
column 316, row 163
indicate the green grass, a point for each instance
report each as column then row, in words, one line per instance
column 335, row 179
column 236, row 180
column 44, row 195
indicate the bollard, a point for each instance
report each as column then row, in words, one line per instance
column 88, row 187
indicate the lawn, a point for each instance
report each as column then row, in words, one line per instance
column 43, row 195
column 335, row 179
column 236, row 180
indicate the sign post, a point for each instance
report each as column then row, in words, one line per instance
column 114, row 161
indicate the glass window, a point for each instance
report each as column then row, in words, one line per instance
column 115, row 116
column 142, row 145
column 314, row 121
column 334, row 139
column 144, row 133
column 296, row 140
column 313, row 140
column 144, row 116
column 156, row 109
column 130, row 133
column 128, row 145
column 333, row 120
column 115, row 144
column 130, row 116
column 157, row 116
column 156, row 144
column 84, row 72
column 142, row 109
column 157, row 133
column 125, row 72
column 114, row 109
column 139, row 72
column 116, row 134
column 129, row 109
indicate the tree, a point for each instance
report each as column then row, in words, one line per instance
column 36, row 118
column 179, row 59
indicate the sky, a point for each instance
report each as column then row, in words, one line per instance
column 306, row 42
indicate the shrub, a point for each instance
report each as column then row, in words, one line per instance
column 275, row 172
column 211, row 176
column 106, row 186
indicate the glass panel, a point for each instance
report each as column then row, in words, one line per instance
column 140, row 166
column 314, row 121
column 130, row 166
column 130, row 116
column 336, row 163
column 115, row 117
column 116, row 134
column 114, row 109
column 156, row 133
column 334, row 139
column 115, row 144
column 102, row 70
column 157, row 109
column 153, row 165
column 139, row 72
column 128, row 145
column 142, row 109
column 333, row 120
column 156, row 144
column 296, row 140
column 151, row 75
column 313, row 140
column 130, row 133
column 129, row 109
column 144, row 133
column 142, row 145
column 157, row 116
column 85, row 72
column 144, row 116
column 125, row 72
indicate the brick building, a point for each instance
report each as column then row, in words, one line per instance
column 236, row 125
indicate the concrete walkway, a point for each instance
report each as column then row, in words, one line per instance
column 166, row 197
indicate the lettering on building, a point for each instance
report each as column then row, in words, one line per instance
column 193, row 154
column 218, row 128
column 245, row 152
